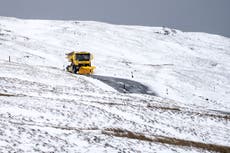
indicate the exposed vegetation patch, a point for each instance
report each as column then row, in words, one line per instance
column 6, row 95
column 227, row 117
column 163, row 108
column 216, row 116
column 166, row 140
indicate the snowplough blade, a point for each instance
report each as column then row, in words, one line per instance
column 86, row 70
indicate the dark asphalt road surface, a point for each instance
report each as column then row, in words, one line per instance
column 125, row 85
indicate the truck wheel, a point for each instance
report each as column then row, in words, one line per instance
column 67, row 68
column 74, row 69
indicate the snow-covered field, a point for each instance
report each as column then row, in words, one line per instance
column 45, row 109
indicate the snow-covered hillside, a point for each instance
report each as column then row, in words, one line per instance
column 44, row 108
column 188, row 67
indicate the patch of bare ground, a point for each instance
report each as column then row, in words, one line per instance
column 174, row 109
column 166, row 140
column 226, row 117
column 219, row 116
column 139, row 136
column 6, row 95
column 163, row 108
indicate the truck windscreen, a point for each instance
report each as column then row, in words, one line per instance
column 83, row 57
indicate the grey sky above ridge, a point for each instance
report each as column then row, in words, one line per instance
column 211, row 16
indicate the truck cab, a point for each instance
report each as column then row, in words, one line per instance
column 80, row 63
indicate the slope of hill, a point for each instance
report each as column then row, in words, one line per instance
column 43, row 108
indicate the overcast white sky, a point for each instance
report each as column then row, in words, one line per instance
column 212, row 16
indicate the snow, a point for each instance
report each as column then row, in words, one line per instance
column 44, row 108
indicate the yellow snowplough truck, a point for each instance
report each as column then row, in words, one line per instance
column 80, row 63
